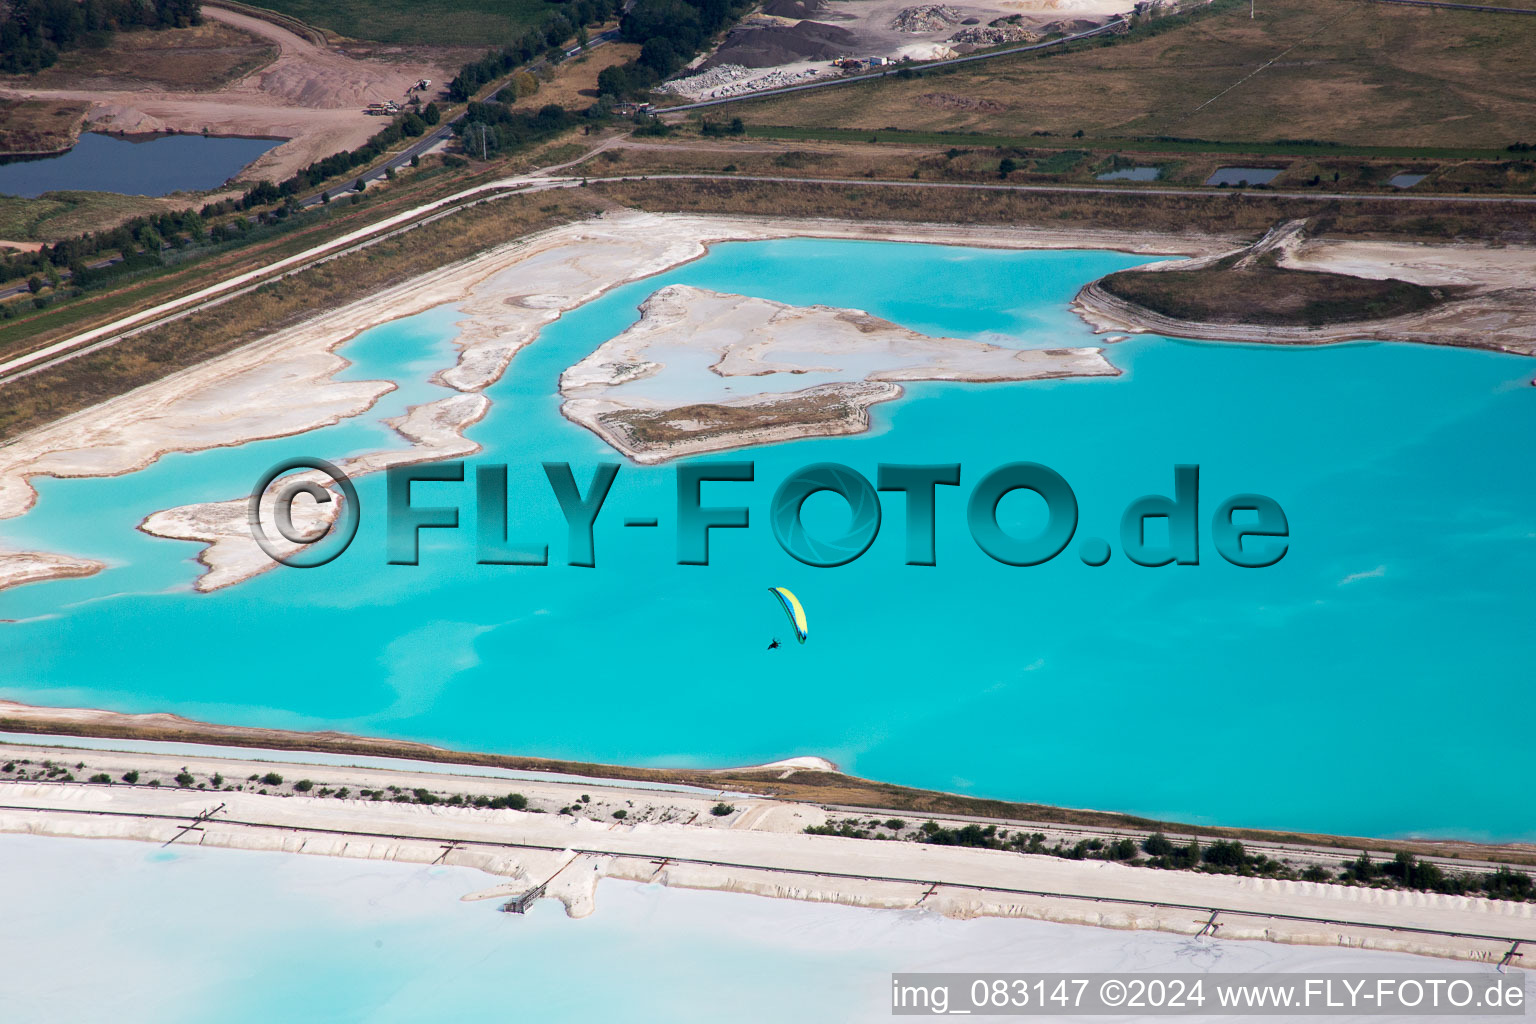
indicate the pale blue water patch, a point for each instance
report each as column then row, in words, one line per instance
column 116, row 932
column 148, row 165
column 1131, row 174
column 1244, row 175
column 1365, row 685
column 1405, row 180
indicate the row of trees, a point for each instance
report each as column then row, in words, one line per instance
column 33, row 32
column 546, row 38
column 498, row 127
column 150, row 233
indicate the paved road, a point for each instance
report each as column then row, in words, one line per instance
column 1108, row 26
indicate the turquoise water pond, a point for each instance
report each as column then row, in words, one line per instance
column 1372, row 682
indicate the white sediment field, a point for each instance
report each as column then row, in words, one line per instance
column 284, row 384
column 759, row 361
column 759, row 847
column 390, row 942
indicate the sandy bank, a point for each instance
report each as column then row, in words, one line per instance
column 1496, row 310
column 18, row 567
column 435, row 430
column 646, row 391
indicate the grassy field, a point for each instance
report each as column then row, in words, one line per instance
column 480, row 23
column 66, row 214
column 1353, row 73
column 981, row 160
column 1243, row 216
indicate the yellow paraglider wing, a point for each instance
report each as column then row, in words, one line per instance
column 793, row 609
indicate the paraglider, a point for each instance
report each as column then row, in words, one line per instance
column 793, row 609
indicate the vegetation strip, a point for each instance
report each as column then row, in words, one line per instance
column 819, row 787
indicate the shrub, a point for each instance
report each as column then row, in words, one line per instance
column 720, row 810
column 102, row 777
column 303, row 786
column 1223, row 854
column 424, row 796
column 517, row 801
column 270, row 779
column 130, row 777
column 1505, row 884
column 621, row 814
column 184, row 778
column 895, row 824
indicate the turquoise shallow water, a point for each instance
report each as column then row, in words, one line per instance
column 1372, row 682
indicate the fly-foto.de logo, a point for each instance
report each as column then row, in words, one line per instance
column 320, row 504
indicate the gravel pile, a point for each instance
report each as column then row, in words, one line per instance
column 927, row 18
column 745, row 80
column 988, row 35
column 697, row 85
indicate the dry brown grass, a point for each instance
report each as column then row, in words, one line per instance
column 39, row 126
column 1247, row 215
column 979, row 163
column 1359, row 73
column 574, row 82
column 201, row 58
